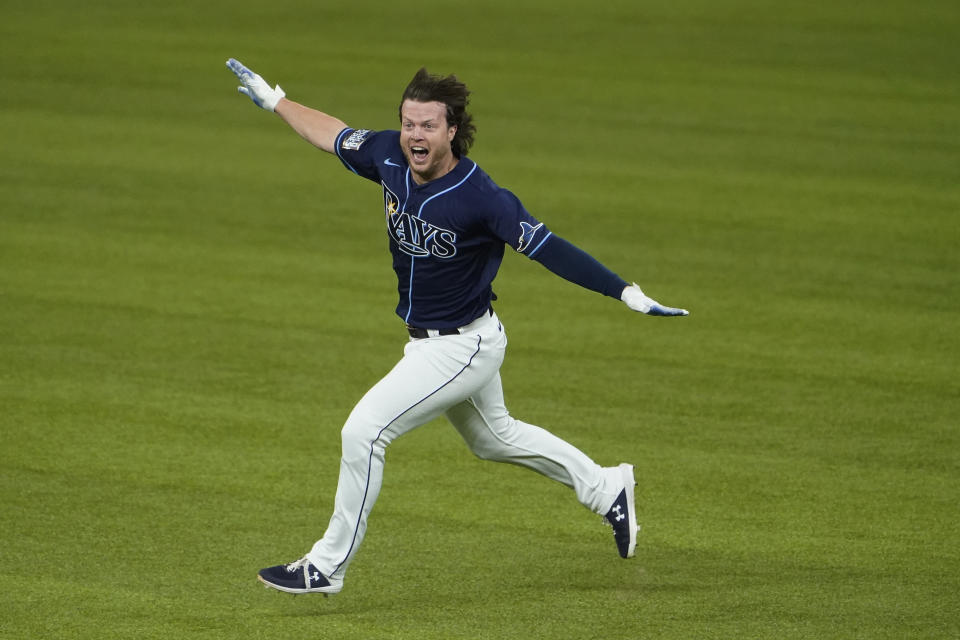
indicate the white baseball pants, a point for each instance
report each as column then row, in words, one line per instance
column 457, row 376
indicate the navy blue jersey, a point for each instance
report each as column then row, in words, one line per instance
column 447, row 236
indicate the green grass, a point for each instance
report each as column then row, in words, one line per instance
column 192, row 299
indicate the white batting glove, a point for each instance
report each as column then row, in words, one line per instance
column 255, row 87
column 637, row 300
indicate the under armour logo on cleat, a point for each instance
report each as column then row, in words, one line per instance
column 315, row 577
column 620, row 516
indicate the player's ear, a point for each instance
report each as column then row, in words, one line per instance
column 451, row 132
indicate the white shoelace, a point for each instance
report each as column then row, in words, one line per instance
column 293, row 566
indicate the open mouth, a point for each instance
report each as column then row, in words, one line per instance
column 419, row 153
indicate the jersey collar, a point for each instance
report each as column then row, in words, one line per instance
column 452, row 177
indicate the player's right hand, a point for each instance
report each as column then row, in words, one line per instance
column 255, row 87
column 637, row 300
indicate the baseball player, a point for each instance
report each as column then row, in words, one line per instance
column 448, row 224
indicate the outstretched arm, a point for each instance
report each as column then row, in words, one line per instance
column 575, row 265
column 316, row 127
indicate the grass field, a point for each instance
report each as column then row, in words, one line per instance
column 192, row 299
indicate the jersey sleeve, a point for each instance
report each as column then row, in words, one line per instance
column 513, row 224
column 360, row 149
column 576, row 265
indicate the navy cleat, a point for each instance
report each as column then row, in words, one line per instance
column 299, row 577
column 622, row 516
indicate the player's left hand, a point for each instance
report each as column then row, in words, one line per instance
column 255, row 87
column 637, row 300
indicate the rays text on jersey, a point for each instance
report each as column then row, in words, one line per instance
column 417, row 237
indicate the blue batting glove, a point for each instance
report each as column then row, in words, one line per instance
column 637, row 300
column 255, row 87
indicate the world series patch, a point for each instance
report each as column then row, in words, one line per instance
column 355, row 139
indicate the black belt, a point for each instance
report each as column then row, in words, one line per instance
column 419, row 334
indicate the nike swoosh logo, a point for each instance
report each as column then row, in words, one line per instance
column 391, row 163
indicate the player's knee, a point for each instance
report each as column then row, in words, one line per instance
column 357, row 437
column 487, row 449
column 480, row 452
column 495, row 444
column 355, row 440
column 490, row 455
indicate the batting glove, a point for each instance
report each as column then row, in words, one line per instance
column 255, row 87
column 637, row 300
